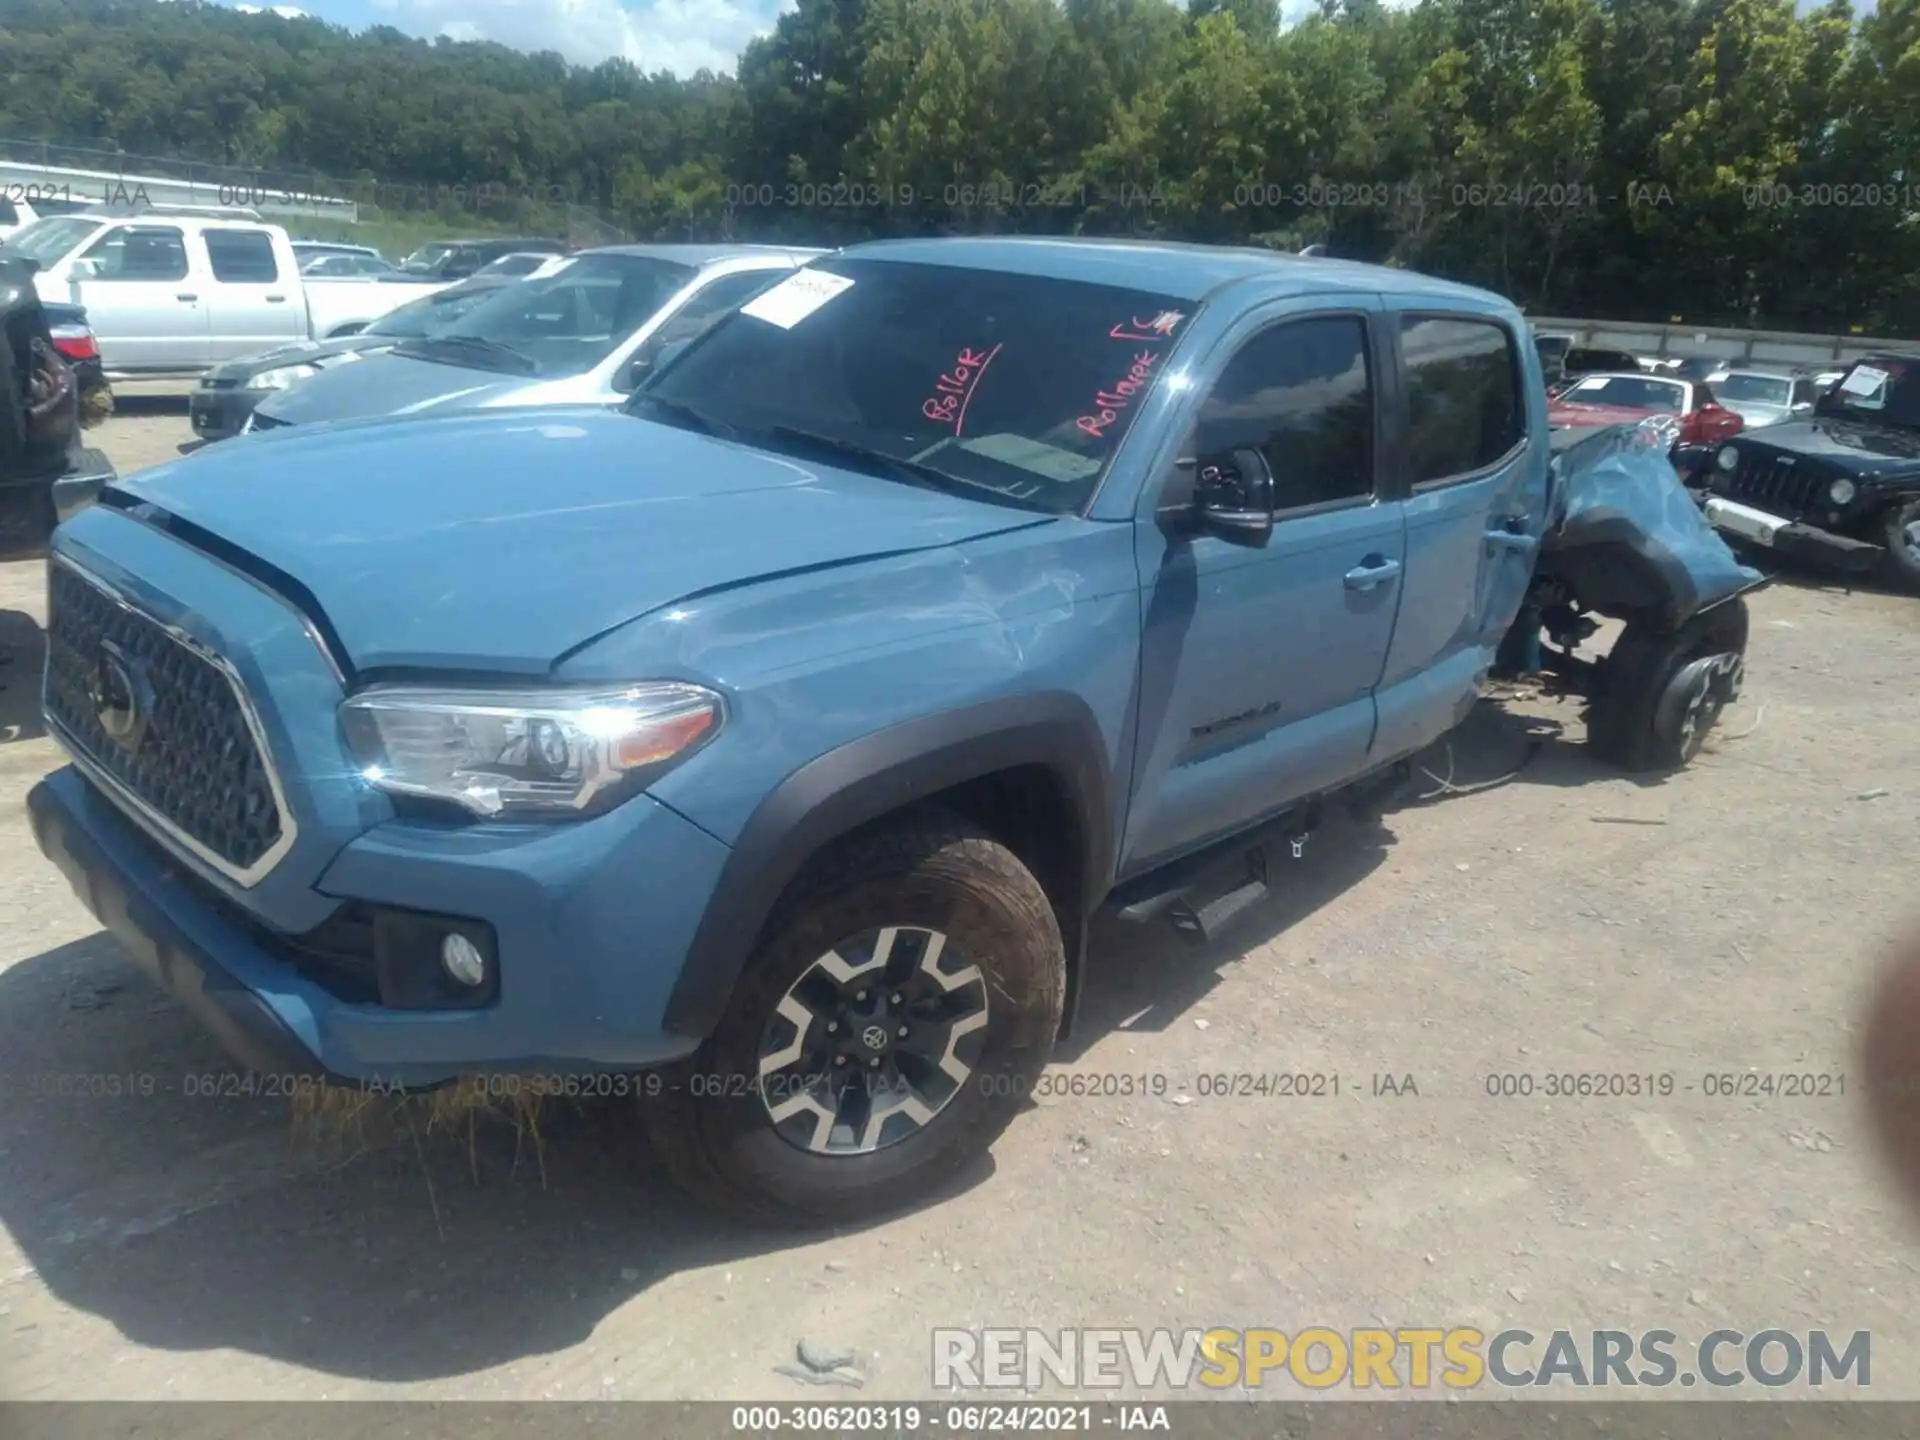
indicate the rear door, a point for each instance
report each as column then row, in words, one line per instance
column 252, row 305
column 147, row 299
column 1258, row 663
column 1474, row 458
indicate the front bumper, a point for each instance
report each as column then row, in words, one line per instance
column 221, row 414
column 1788, row 536
column 248, row 1027
column 593, row 929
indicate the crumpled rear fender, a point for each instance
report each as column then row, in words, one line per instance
column 1626, row 539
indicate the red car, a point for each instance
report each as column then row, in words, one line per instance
column 1624, row 399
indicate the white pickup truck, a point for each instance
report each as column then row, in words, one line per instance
column 172, row 292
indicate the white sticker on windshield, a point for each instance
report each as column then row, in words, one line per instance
column 1864, row 380
column 796, row 297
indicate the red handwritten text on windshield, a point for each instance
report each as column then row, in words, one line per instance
column 953, row 391
column 1153, row 328
column 1113, row 401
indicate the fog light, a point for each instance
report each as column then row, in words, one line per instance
column 463, row 960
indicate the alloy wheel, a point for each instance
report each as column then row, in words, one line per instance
column 874, row 1040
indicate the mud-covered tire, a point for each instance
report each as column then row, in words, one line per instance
column 1902, row 538
column 710, row 1118
column 1638, row 717
column 96, row 406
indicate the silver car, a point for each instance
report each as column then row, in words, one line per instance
column 585, row 330
column 1761, row 397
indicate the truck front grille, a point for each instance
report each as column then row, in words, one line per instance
column 1777, row 483
column 163, row 724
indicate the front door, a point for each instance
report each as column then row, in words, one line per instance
column 1476, row 469
column 1258, row 663
column 147, row 310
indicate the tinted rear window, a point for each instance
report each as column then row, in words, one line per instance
column 241, row 256
column 1463, row 395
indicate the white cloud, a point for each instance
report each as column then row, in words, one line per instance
column 285, row 12
column 678, row 35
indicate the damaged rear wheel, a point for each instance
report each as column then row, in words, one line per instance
column 1659, row 692
column 1903, row 545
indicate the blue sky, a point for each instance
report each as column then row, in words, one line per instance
column 677, row 35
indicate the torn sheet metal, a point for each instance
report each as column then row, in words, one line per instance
column 1616, row 488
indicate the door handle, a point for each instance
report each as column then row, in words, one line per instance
column 276, row 299
column 186, row 299
column 1374, row 571
column 1510, row 533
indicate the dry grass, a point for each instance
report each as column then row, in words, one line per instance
column 350, row 1122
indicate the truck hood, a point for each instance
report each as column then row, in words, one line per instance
column 1852, row 447
column 498, row 542
column 1758, row 414
column 390, row 385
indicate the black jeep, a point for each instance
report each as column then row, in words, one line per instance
column 1841, row 486
column 45, row 473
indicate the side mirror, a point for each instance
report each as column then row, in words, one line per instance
column 83, row 270
column 1800, row 407
column 1233, row 496
column 645, row 366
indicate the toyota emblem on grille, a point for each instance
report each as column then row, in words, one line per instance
column 121, row 695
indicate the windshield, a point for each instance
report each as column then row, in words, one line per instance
column 427, row 316
column 426, row 257
column 50, row 241
column 566, row 322
column 1761, row 389
column 1629, row 392
column 1881, row 388
column 1020, row 386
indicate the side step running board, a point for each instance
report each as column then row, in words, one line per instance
column 1180, row 894
column 1208, row 920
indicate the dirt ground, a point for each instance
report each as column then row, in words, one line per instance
column 1724, row 920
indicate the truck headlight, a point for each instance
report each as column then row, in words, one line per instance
column 1728, row 459
column 282, row 377
column 1841, row 492
column 557, row 754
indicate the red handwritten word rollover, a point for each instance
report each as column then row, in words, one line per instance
column 1108, row 404
column 954, row 390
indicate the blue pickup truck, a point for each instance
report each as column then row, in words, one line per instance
column 768, row 745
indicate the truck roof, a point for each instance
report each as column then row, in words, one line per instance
column 1182, row 271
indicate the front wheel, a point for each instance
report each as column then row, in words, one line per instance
column 890, row 1023
column 1658, row 693
column 1903, row 545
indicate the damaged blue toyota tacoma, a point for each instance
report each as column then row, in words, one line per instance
column 776, row 738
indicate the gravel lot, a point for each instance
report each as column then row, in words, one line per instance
column 1727, row 919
